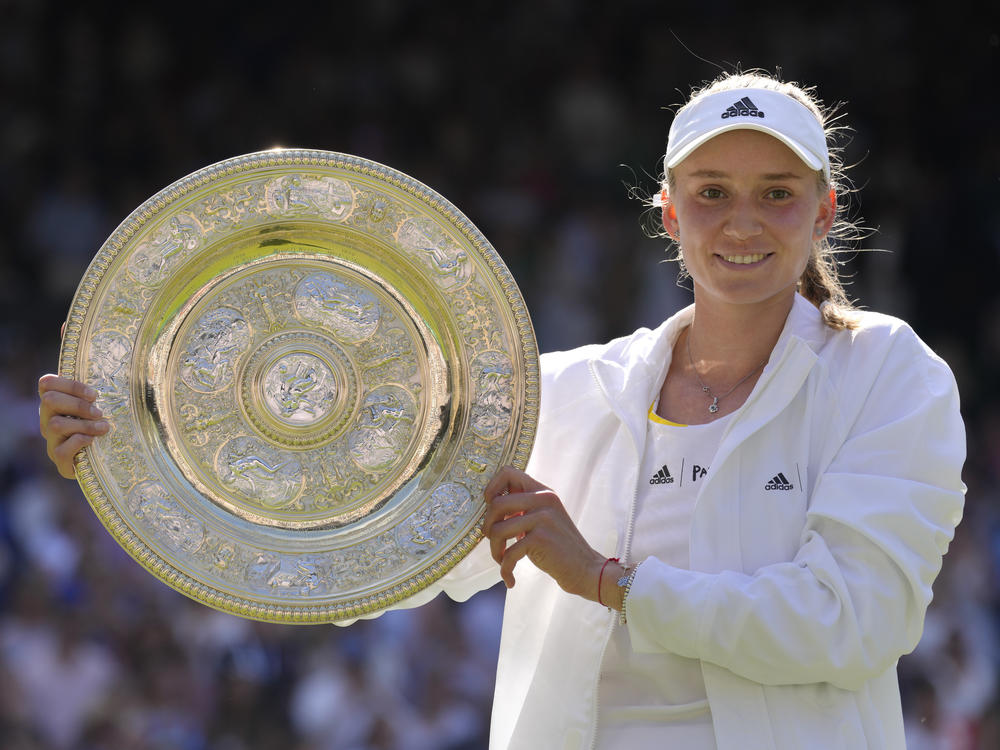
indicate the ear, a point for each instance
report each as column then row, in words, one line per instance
column 668, row 215
column 826, row 215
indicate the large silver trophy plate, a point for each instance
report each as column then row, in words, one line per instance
column 312, row 364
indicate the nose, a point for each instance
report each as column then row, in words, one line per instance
column 742, row 223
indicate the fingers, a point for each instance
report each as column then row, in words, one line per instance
column 61, row 428
column 499, row 484
column 509, row 480
column 68, row 418
column 64, row 397
column 529, row 519
column 62, row 415
column 503, row 507
column 502, row 527
column 60, row 402
column 48, row 383
column 62, row 454
column 524, row 518
column 66, row 436
column 510, row 495
column 510, row 558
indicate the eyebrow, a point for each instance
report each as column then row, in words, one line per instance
column 713, row 174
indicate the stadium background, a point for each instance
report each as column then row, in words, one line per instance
column 542, row 121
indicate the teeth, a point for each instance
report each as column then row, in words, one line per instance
column 744, row 258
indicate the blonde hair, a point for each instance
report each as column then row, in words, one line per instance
column 820, row 283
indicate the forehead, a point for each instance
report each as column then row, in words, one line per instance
column 738, row 151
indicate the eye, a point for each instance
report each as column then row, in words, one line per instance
column 779, row 194
column 712, row 193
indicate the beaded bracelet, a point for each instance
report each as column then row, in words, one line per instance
column 625, row 582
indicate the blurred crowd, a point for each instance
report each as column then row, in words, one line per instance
column 542, row 121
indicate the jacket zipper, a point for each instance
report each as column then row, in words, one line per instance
column 607, row 638
column 626, row 552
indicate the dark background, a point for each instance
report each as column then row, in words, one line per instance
column 542, row 121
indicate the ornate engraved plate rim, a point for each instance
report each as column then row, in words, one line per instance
column 523, row 348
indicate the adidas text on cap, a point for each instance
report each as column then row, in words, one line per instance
column 771, row 112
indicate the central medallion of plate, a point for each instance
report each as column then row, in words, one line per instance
column 299, row 388
column 303, row 393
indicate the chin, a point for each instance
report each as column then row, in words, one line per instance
column 747, row 294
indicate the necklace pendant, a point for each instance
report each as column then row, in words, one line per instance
column 714, row 406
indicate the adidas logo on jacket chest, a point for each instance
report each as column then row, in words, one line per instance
column 663, row 477
column 693, row 473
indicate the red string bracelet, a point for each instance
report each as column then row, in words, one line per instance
column 601, row 578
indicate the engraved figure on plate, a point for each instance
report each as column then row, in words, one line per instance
column 222, row 211
column 182, row 233
column 297, row 193
column 211, row 348
column 350, row 312
column 197, row 423
column 447, row 260
column 260, row 472
column 152, row 261
column 442, row 511
column 388, row 357
column 110, row 354
column 300, row 388
column 493, row 394
column 368, row 560
column 268, row 569
column 223, row 556
column 149, row 502
column 384, row 427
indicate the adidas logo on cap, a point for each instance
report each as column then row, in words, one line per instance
column 779, row 482
column 743, row 108
column 662, row 476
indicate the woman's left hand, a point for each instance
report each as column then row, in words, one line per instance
column 525, row 510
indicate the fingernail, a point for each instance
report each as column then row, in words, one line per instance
column 90, row 392
column 95, row 411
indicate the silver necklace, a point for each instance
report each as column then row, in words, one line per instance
column 714, row 406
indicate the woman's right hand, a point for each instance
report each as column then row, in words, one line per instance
column 69, row 419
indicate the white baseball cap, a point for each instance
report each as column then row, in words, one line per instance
column 771, row 112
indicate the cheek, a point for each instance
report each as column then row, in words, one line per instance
column 691, row 220
column 797, row 225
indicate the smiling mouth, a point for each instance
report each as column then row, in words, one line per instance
column 744, row 260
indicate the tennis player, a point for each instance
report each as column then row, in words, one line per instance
column 730, row 525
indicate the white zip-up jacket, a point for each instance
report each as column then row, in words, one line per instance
column 798, row 602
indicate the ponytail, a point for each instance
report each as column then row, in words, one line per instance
column 820, row 284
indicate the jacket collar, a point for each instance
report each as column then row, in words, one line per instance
column 631, row 374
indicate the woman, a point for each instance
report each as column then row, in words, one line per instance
column 748, row 505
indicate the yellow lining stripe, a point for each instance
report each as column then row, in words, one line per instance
column 660, row 420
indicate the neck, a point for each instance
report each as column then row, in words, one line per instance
column 730, row 338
